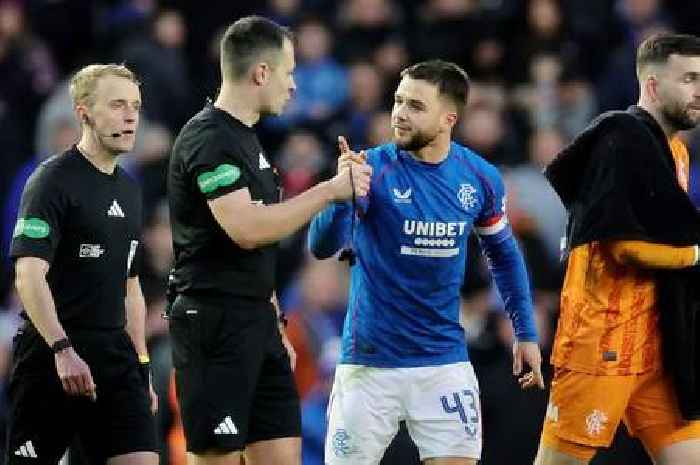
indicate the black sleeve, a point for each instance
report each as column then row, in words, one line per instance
column 135, row 264
column 214, row 167
column 42, row 212
column 615, row 185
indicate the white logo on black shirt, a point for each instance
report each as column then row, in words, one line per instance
column 227, row 426
column 90, row 251
column 27, row 450
column 115, row 210
column 263, row 162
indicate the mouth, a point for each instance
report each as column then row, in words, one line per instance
column 401, row 128
column 128, row 132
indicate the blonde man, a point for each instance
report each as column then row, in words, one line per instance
column 80, row 362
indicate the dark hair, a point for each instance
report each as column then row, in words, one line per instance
column 245, row 40
column 657, row 48
column 451, row 80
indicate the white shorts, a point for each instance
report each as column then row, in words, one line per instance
column 440, row 405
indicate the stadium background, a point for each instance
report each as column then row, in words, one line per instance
column 540, row 69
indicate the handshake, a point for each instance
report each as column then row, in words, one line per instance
column 354, row 174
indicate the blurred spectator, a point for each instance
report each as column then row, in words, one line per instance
column 284, row 12
column 446, row 29
column 618, row 88
column 533, row 194
column 487, row 59
column 315, row 316
column 148, row 163
column 302, row 162
column 366, row 93
column 322, row 84
column 363, row 24
column 27, row 75
column 483, row 129
column 545, row 34
column 637, row 20
column 124, row 18
column 159, row 62
column 556, row 96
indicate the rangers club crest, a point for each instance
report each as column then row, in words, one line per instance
column 467, row 196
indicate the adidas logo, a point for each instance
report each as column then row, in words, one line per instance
column 226, row 427
column 263, row 162
column 115, row 210
column 27, row 450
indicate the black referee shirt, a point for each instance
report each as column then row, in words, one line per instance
column 87, row 225
column 216, row 154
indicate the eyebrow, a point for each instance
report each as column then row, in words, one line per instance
column 123, row 100
column 412, row 101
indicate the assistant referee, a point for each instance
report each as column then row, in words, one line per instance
column 79, row 361
column 233, row 374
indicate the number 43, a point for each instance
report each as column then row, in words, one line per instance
column 468, row 416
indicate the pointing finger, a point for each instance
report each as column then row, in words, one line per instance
column 343, row 145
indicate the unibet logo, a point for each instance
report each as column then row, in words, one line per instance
column 223, row 175
column 31, row 227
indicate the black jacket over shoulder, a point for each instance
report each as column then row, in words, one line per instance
column 618, row 181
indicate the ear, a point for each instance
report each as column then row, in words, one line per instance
column 651, row 85
column 451, row 119
column 261, row 73
column 82, row 112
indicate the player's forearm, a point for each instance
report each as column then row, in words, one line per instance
column 329, row 230
column 35, row 294
column 268, row 224
column 509, row 272
column 136, row 316
column 643, row 254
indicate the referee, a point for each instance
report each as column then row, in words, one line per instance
column 79, row 361
column 231, row 357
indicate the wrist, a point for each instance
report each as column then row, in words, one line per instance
column 61, row 345
column 327, row 191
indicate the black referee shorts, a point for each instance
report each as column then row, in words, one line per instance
column 43, row 419
column 234, row 381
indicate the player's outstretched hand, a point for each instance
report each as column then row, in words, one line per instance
column 528, row 352
column 75, row 374
column 347, row 156
column 354, row 175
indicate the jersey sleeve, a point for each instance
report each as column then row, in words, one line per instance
column 492, row 218
column 42, row 213
column 135, row 260
column 214, row 168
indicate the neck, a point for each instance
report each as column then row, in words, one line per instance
column 236, row 100
column 434, row 152
column 96, row 153
column 656, row 113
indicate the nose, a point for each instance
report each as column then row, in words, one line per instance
column 131, row 115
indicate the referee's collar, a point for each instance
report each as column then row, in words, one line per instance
column 228, row 117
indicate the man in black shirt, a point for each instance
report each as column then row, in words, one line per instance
column 80, row 364
column 233, row 374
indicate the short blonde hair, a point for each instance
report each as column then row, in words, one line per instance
column 84, row 82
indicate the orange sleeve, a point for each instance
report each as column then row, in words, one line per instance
column 649, row 255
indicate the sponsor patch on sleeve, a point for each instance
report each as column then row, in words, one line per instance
column 34, row 228
column 224, row 175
